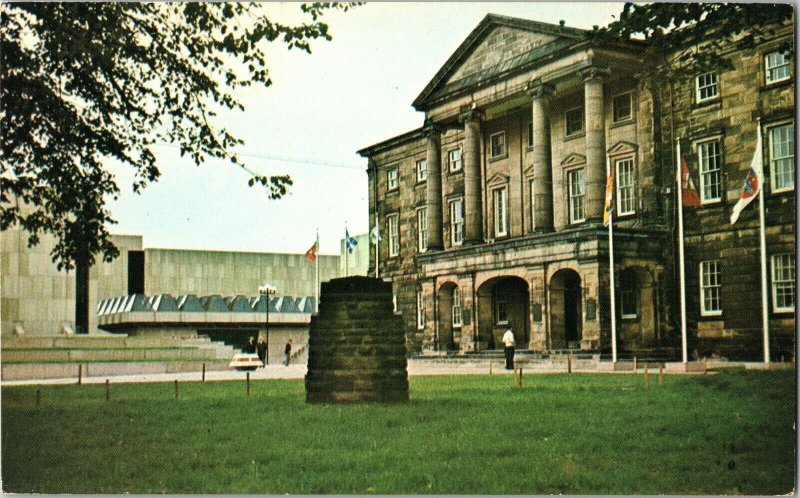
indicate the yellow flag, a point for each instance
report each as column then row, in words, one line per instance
column 609, row 207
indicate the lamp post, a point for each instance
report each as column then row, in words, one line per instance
column 267, row 290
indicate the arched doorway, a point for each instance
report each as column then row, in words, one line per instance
column 450, row 317
column 503, row 304
column 566, row 318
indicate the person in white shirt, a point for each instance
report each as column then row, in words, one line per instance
column 509, row 343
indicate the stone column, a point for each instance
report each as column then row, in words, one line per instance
column 434, row 188
column 542, row 169
column 473, row 211
column 595, row 173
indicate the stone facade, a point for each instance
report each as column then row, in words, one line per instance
column 521, row 124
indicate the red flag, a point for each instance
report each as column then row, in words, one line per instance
column 688, row 190
column 311, row 254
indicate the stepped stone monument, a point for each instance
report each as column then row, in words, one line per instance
column 356, row 346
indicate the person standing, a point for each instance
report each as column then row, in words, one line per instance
column 509, row 343
column 251, row 345
column 288, row 351
column 261, row 348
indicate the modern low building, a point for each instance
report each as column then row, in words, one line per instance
column 490, row 214
column 39, row 300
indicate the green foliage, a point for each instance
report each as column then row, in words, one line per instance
column 687, row 39
column 730, row 433
column 86, row 82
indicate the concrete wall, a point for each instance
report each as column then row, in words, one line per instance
column 180, row 271
column 33, row 291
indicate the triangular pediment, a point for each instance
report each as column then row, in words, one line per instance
column 622, row 148
column 498, row 44
column 573, row 159
column 497, row 180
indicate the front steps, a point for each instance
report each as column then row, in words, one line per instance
column 53, row 357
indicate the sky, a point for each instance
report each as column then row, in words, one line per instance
column 349, row 93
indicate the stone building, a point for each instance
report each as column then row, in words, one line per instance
column 490, row 214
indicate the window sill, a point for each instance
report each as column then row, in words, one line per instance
column 716, row 101
column 392, row 191
column 775, row 84
column 711, row 203
column 630, row 318
column 580, row 134
column 421, row 183
column 626, row 216
column 498, row 158
column 782, row 192
column 711, row 316
column 622, row 122
column 459, row 171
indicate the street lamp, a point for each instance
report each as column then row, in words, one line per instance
column 267, row 290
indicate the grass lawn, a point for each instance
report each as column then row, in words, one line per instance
column 730, row 433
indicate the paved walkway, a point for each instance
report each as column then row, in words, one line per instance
column 415, row 367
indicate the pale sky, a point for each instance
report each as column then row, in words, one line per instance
column 349, row 93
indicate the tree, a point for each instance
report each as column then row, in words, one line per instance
column 685, row 39
column 85, row 82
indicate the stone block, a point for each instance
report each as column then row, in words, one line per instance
column 356, row 349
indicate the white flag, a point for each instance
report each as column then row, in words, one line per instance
column 376, row 236
column 753, row 181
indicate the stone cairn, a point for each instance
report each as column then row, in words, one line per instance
column 356, row 346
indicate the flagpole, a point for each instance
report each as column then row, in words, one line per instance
column 316, row 260
column 681, row 262
column 763, row 243
column 611, row 273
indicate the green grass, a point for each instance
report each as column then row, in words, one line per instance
column 730, row 433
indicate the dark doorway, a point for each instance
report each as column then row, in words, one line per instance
column 135, row 272
column 566, row 321
column 572, row 308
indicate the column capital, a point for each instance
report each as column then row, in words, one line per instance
column 470, row 114
column 429, row 128
column 594, row 72
column 538, row 90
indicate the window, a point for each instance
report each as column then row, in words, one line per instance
column 500, row 308
column 456, row 308
column 454, row 160
column 457, row 222
column 422, row 170
column 627, row 302
column 576, row 195
column 708, row 155
column 626, row 195
column 574, row 121
column 498, row 144
column 710, row 289
column 627, row 294
column 622, row 107
column 500, row 212
column 783, row 282
column 777, row 67
column 420, row 310
column 533, row 205
column 422, row 229
column 530, row 134
column 392, row 179
column 394, row 234
column 781, row 157
column 707, row 87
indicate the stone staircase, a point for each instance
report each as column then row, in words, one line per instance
column 53, row 357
